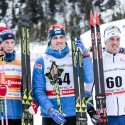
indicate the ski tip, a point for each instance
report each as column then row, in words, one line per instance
column 91, row 19
column 97, row 18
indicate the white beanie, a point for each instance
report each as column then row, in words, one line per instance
column 111, row 31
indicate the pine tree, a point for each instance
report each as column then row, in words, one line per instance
column 52, row 7
column 4, row 6
column 36, row 10
column 14, row 19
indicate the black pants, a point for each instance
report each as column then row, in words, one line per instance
column 69, row 121
column 12, row 122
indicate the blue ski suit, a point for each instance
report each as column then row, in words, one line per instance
column 43, row 94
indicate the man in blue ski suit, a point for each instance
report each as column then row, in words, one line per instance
column 43, row 88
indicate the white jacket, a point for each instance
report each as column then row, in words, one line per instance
column 114, row 77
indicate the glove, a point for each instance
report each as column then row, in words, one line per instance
column 122, row 50
column 3, row 90
column 33, row 108
column 80, row 45
column 94, row 117
column 56, row 116
column 2, row 53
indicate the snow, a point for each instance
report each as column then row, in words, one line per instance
column 38, row 118
column 2, row 25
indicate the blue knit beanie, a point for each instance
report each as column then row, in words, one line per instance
column 56, row 31
column 6, row 34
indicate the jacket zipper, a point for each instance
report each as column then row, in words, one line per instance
column 114, row 58
column 116, row 97
column 117, row 106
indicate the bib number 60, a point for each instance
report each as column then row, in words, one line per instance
column 114, row 82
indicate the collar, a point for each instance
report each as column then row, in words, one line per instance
column 56, row 53
column 9, row 57
column 110, row 54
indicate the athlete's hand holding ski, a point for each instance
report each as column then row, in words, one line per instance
column 80, row 45
column 56, row 116
column 93, row 115
column 2, row 54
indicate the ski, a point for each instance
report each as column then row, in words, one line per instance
column 81, row 116
column 27, row 118
column 98, row 69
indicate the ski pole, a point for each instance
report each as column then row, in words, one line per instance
column 5, row 102
column 56, row 84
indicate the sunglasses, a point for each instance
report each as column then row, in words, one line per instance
column 56, row 26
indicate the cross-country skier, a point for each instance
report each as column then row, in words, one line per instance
column 114, row 76
column 12, row 69
column 43, row 84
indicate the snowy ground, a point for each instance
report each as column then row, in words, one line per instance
column 38, row 118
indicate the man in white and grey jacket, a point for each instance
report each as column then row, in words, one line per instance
column 114, row 76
